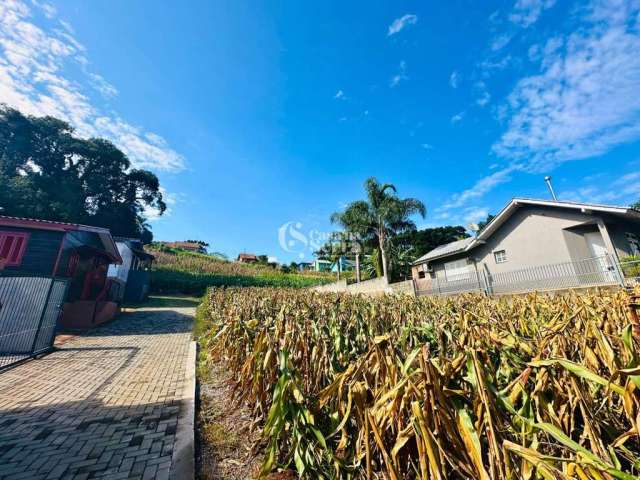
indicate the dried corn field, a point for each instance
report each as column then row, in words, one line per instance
column 470, row 387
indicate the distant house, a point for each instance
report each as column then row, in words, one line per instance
column 189, row 246
column 305, row 266
column 345, row 265
column 320, row 265
column 79, row 254
column 540, row 240
column 134, row 274
column 247, row 258
column 323, row 265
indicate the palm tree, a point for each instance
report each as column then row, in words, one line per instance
column 332, row 251
column 382, row 216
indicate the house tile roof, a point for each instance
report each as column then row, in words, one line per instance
column 184, row 245
column 247, row 256
column 446, row 249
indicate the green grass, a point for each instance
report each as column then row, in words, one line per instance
column 177, row 271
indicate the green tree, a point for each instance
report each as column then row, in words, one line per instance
column 333, row 249
column 419, row 242
column 485, row 222
column 382, row 216
column 636, row 205
column 47, row 172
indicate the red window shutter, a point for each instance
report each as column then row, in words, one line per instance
column 12, row 247
column 16, row 254
column 6, row 246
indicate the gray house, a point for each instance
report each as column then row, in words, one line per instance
column 535, row 245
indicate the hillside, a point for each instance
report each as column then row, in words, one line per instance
column 180, row 271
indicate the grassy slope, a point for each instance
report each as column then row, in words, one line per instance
column 179, row 271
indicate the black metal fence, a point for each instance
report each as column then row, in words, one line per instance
column 29, row 310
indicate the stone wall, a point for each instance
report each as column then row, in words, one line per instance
column 339, row 286
column 375, row 286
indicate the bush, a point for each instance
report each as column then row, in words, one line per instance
column 630, row 266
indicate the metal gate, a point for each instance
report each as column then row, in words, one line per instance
column 29, row 310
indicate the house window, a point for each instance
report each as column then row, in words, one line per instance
column 500, row 256
column 12, row 247
column 634, row 243
column 456, row 270
column 421, row 274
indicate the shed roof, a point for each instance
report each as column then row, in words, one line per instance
column 136, row 247
column 48, row 225
column 517, row 202
column 103, row 234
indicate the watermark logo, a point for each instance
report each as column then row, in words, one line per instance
column 293, row 238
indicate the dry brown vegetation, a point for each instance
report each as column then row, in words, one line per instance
column 227, row 435
column 451, row 388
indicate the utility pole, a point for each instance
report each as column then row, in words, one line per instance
column 357, row 250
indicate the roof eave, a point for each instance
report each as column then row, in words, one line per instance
column 444, row 255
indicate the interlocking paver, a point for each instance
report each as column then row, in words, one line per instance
column 104, row 405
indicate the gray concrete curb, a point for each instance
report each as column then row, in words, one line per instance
column 183, row 460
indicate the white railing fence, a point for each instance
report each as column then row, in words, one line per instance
column 590, row 272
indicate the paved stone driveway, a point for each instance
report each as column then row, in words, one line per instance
column 105, row 405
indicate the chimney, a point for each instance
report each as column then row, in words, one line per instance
column 547, row 180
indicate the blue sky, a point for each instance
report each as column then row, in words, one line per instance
column 256, row 114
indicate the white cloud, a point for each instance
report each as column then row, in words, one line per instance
column 48, row 9
column 621, row 191
column 480, row 188
column 527, row 12
column 454, row 79
column 399, row 23
column 488, row 66
column 483, row 94
column 501, row 41
column 400, row 76
column 483, row 99
column 427, row 146
column 170, row 199
column 475, row 214
column 340, row 95
column 457, row 118
column 33, row 62
column 102, row 86
column 584, row 101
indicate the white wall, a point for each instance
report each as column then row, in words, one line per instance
column 121, row 272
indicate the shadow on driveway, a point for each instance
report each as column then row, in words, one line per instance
column 105, row 403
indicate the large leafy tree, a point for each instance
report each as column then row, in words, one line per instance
column 47, row 172
column 419, row 242
column 383, row 215
column 485, row 222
